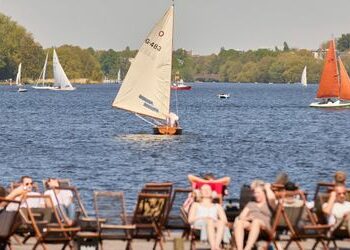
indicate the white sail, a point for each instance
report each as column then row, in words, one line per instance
column 60, row 77
column 146, row 87
column 44, row 69
column 303, row 78
column 119, row 77
column 18, row 76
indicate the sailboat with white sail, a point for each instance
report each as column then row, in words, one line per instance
column 19, row 78
column 40, row 84
column 146, row 87
column 303, row 77
column 61, row 81
column 334, row 88
column 119, row 77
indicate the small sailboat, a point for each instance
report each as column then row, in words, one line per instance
column 303, row 77
column 18, row 79
column 119, row 77
column 179, row 84
column 40, row 84
column 61, row 81
column 224, row 96
column 334, row 87
column 146, row 87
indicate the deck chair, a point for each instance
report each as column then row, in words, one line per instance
column 111, row 214
column 293, row 215
column 174, row 220
column 8, row 216
column 54, row 231
column 149, row 217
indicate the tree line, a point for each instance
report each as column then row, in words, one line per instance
column 229, row 65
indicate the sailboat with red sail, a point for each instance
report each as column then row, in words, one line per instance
column 334, row 87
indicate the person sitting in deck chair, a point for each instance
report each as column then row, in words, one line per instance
column 63, row 199
column 19, row 194
column 338, row 208
column 256, row 215
column 210, row 218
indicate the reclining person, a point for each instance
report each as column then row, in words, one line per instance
column 210, row 218
column 63, row 199
column 338, row 208
column 255, row 216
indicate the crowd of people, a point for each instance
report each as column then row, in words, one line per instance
column 205, row 209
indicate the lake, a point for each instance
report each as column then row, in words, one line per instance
column 261, row 130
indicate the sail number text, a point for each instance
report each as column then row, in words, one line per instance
column 153, row 45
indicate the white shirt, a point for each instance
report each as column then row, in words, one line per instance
column 338, row 211
column 64, row 197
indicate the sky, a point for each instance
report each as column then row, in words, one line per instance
column 203, row 26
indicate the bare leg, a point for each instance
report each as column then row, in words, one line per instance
column 253, row 234
column 220, row 226
column 240, row 225
column 211, row 233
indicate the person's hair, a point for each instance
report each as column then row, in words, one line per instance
column 208, row 176
column 340, row 177
column 290, row 186
column 257, row 183
column 282, row 178
column 25, row 177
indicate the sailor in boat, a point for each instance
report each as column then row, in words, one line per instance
column 173, row 120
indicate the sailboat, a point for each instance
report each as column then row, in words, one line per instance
column 42, row 76
column 61, row 81
column 18, row 79
column 334, row 87
column 119, row 78
column 303, row 77
column 146, row 87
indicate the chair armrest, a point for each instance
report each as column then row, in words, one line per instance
column 110, row 226
column 68, row 229
column 317, row 227
column 91, row 219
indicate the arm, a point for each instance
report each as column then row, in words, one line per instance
column 15, row 193
column 192, row 214
column 269, row 193
column 222, row 214
column 328, row 207
column 224, row 180
column 244, row 214
column 193, row 178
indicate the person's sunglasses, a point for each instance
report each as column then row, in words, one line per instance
column 29, row 183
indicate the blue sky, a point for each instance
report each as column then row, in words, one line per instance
column 203, row 26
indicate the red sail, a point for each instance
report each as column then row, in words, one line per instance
column 344, row 82
column 329, row 84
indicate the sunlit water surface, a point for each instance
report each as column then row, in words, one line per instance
column 261, row 130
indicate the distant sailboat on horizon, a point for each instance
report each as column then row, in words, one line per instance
column 61, row 81
column 119, row 77
column 19, row 78
column 42, row 76
column 304, row 77
column 146, row 87
column 334, row 87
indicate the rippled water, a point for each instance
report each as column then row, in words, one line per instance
column 261, row 130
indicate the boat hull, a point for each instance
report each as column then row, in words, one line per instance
column 330, row 105
column 42, row 87
column 167, row 130
column 62, row 89
column 22, row 90
column 181, row 87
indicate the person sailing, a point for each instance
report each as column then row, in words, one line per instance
column 172, row 120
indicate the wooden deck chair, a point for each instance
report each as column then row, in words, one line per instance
column 8, row 216
column 293, row 215
column 148, row 217
column 111, row 214
column 56, row 232
column 174, row 220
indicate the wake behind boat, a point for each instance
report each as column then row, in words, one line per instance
column 334, row 87
column 146, row 87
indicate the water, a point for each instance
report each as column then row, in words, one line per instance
column 261, row 130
